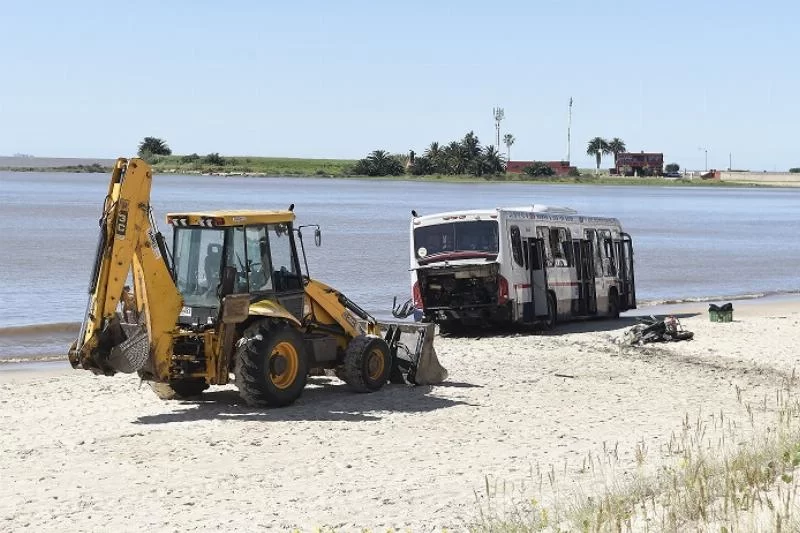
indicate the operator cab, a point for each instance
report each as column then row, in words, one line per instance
column 258, row 246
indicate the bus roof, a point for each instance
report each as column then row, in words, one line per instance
column 534, row 211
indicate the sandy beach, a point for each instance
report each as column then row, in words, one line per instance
column 88, row 453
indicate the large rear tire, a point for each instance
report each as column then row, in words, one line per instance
column 179, row 390
column 367, row 363
column 271, row 366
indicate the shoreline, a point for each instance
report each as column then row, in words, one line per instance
column 583, row 179
column 744, row 305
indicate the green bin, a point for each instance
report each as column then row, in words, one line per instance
column 720, row 313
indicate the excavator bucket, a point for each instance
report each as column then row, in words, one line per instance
column 414, row 356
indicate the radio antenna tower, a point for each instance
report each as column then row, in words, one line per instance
column 499, row 115
column 569, row 127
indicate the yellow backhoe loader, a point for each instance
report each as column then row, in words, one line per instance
column 230, row 298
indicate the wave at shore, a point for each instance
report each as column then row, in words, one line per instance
column 47, row 342
column 40, row 329
column 702, row 299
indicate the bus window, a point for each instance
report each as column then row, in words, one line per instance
column 516, row 245
column 525, row 253
column 591, row 235
column 565, row 238
column 560, row 246
column 608, row 252
column 543, row 232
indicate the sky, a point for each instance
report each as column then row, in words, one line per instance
column 695, row 80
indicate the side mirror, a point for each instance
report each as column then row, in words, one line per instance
column 318, row 237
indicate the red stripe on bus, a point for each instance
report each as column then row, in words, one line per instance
column 552, row 284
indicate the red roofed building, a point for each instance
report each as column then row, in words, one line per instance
column 639, row 164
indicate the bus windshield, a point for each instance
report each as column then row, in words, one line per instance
column 474, row 238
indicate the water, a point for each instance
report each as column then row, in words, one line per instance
column 689, row 242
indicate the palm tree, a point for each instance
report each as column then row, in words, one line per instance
column 471, row 145
column 455, row 159
column 617, row 146
column 491, row 161
column 153, row 146
column 598, row 147
column 436, row 156
column 433, row 151
column 508, row 140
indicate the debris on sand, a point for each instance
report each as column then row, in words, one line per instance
column 652, row 329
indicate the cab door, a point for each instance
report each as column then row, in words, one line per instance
column 286, row 275
column 272, row 267
column 586, row 302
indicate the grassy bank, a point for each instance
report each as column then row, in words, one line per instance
column 343, row 168
column 257, row 166
column 75, row 169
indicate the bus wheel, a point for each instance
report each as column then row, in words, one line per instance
column 552, row 312
column 613, row 304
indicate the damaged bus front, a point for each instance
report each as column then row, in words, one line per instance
column 455, row 271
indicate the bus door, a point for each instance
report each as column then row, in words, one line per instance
column 586, row 303
column 538, row 277
column 627, row 296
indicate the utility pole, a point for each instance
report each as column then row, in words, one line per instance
column 706, row 151
column 569, row 127
column 499, row 115
column 730, row 161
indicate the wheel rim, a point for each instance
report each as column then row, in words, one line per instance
column 375, row 364
column 283, row 365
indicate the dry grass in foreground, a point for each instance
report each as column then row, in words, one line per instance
column 741, row 479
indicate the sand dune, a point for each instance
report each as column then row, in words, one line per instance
column 94, row 453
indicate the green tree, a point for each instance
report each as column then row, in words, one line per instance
column 508, row 140
column 422, row 166
column 539, row 168
column 436, row 158
column 616, row 146
column 455, row 158
column 598, row 147
column 151, row 146
column 379, row 163
column 490, row 162
column 672, row 167
column 214, row 159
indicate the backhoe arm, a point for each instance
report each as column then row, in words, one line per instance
column 128, row 242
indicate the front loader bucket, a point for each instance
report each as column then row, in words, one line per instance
column 415, row 358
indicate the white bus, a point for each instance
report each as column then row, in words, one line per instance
column 532, row 265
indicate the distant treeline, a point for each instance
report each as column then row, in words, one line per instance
column 94, row 167
column 457, row 158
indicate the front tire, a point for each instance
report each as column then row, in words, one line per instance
column 367, row 364
column 271, row 366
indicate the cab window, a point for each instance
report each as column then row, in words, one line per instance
column 236, row 256
column 258, row 259
column 282, row 253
